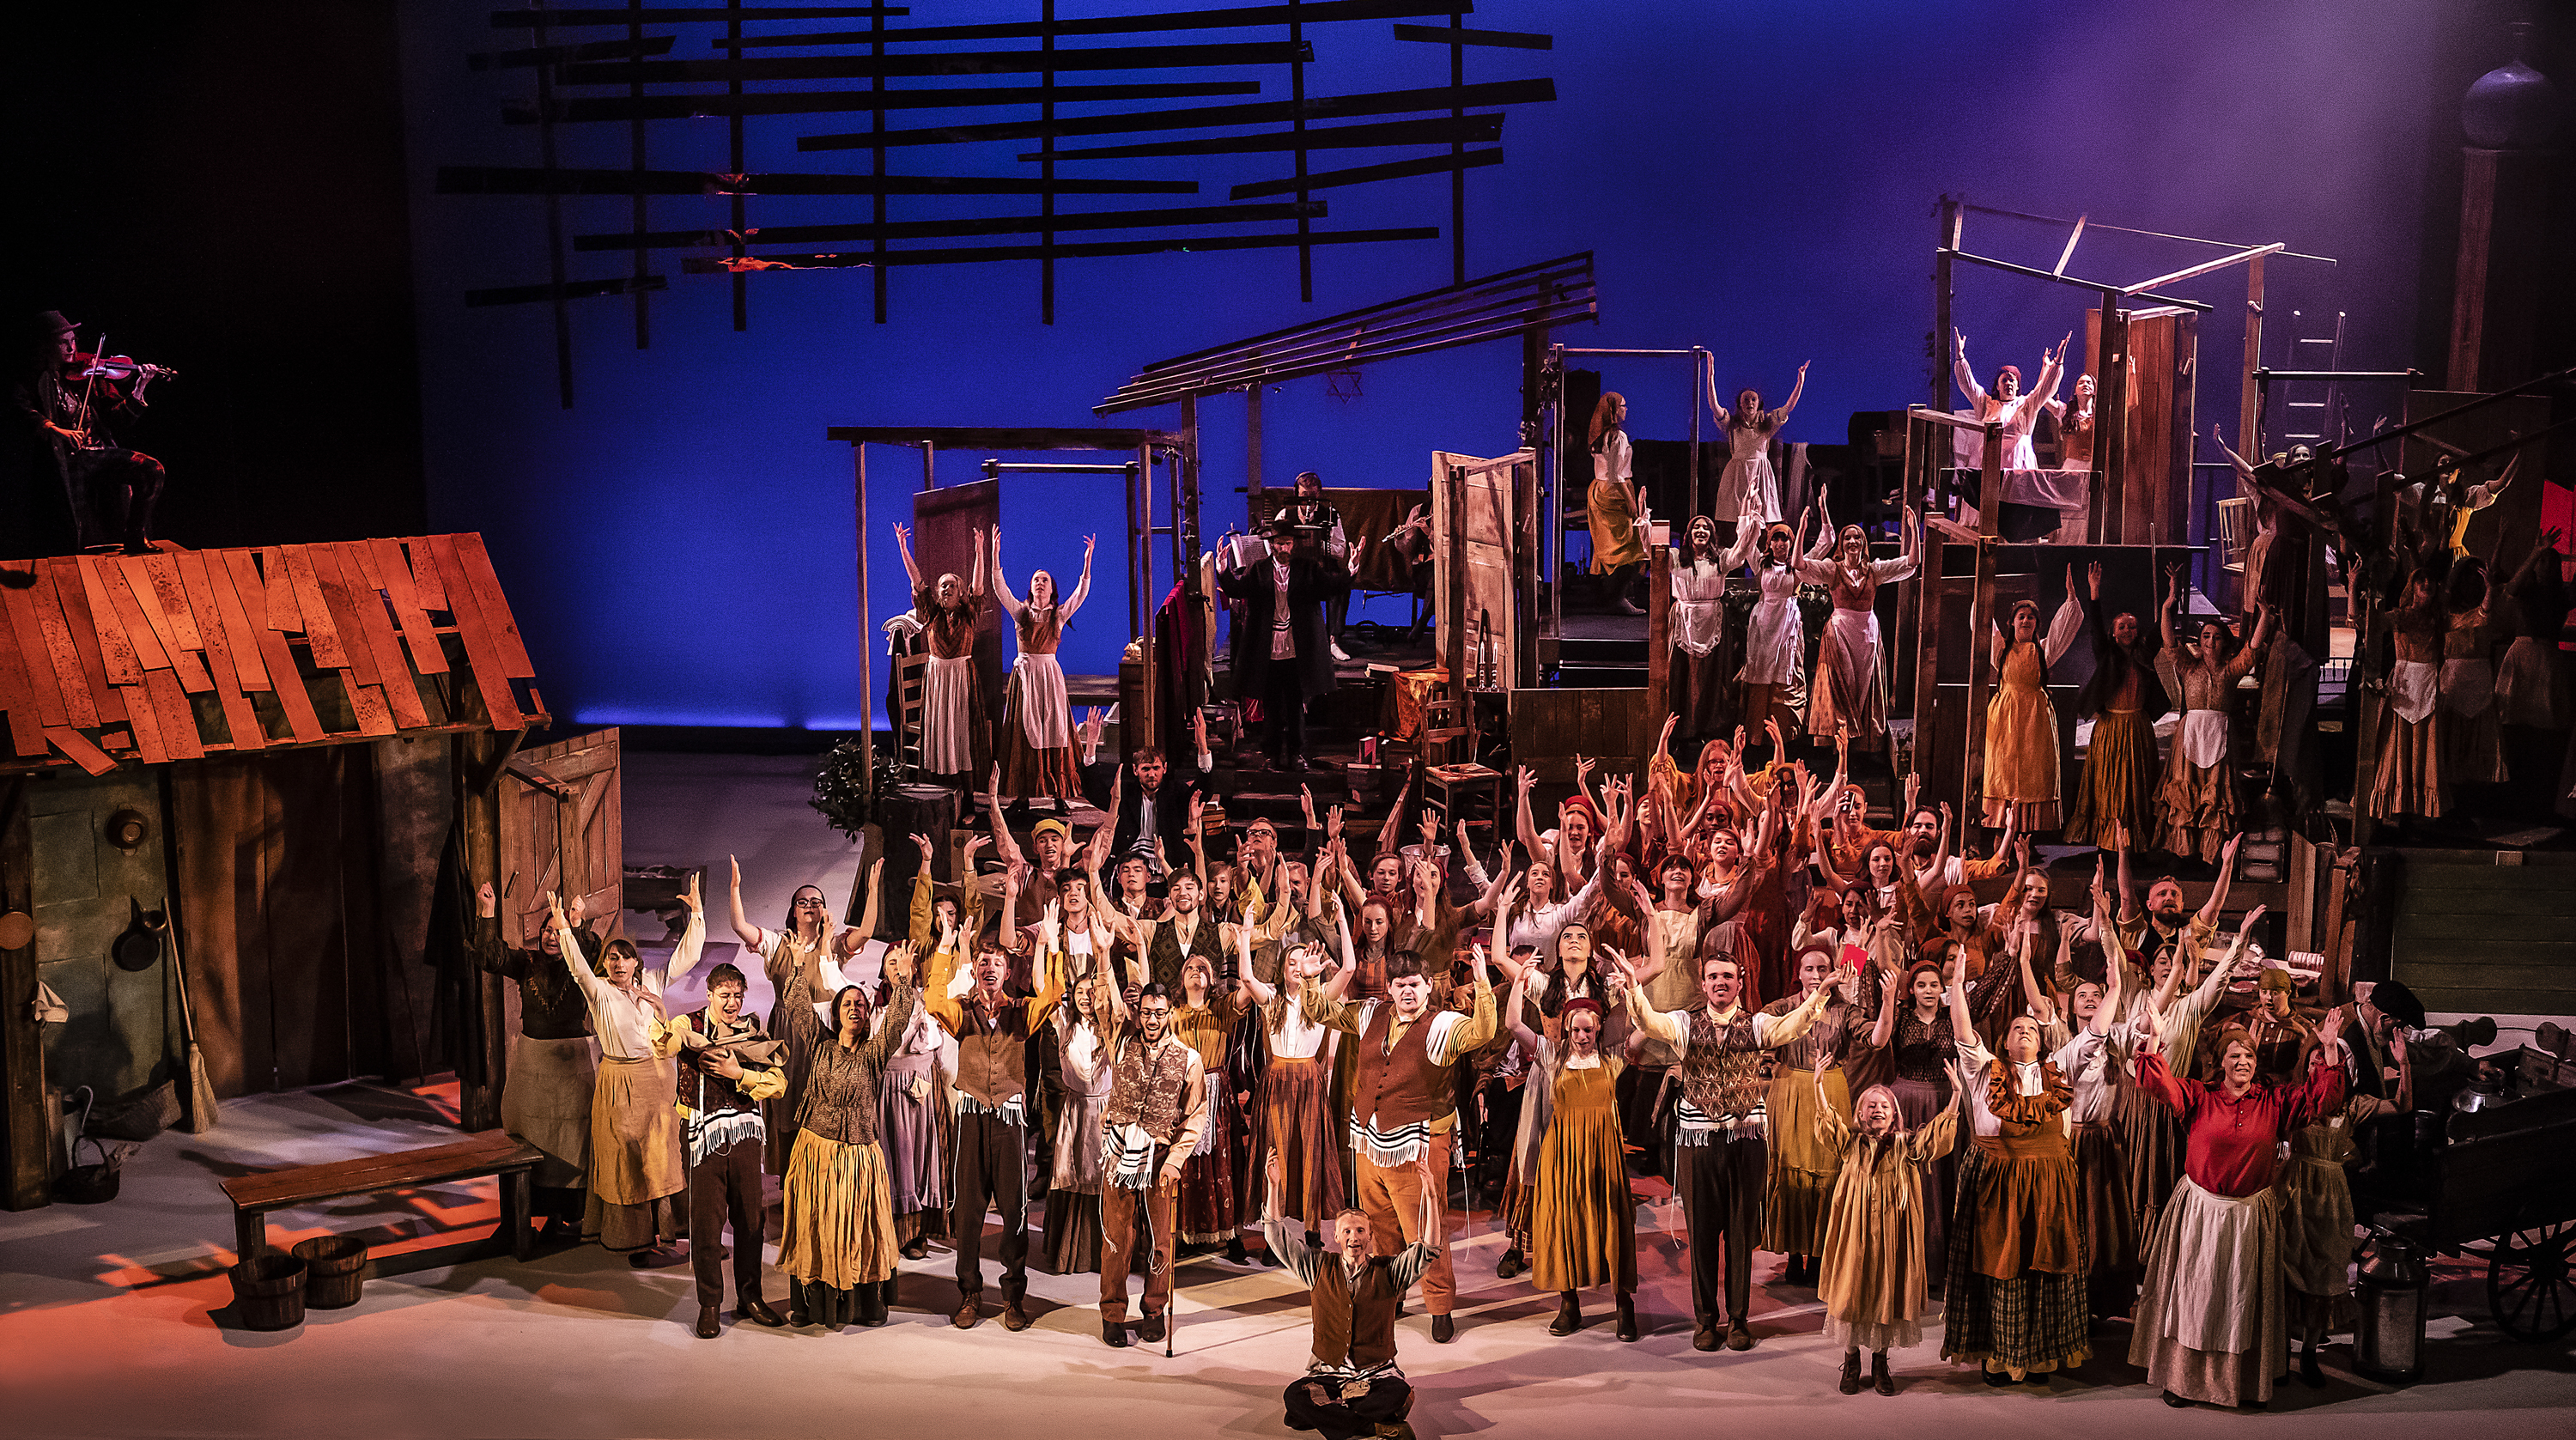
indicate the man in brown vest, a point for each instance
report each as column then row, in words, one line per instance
column 992, row 1033
column 1717, row 1137
column 1166, row 945
column 1352, row 1386
column 1157, row 1109
column 1402, row 1112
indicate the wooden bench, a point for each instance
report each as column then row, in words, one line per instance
column 486, row 1152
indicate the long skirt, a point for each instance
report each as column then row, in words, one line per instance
column 1297, row 1126
column 2531, row 686
column 2021, row 759
column 1850, row 688
column 2196, row 809
column 635, row 1155
column 1875, row 1264
column 2035, row 1321
column 1613, row 519
column 911, row 1135
column 1775, row 640
column 1206, row 1208
column 2110, row 1226
column 2211, row 1325
column 952, row 738
column 1798, row 1192
column 2472, row 738
column 2409, row 778
column 796, row 1028
column 547, row 1102
column 1918, row 1101
column 838, row 1227
column 1037, row 732
column 2151, row 1143
column 2117, row 793
column 2316, row 1245
column 1583, row 1221
column 1702, row 697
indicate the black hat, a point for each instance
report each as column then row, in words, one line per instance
column 2392, row 999
column 50, row 324
column 1282, row 528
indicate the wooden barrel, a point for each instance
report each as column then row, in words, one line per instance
column 335, row 1270
column 268, row 1291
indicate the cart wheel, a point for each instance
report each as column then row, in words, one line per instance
column 2529, row 1291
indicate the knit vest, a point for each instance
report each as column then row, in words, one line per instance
column 992, row 1056
column 1722, row 1069
column 1354, row 1319
column 1163, row 953
column 1401, row 1088
column 1148, row 1084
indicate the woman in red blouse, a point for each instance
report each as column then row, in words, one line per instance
column 2212, row 1322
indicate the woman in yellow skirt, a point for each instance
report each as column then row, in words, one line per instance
column 1799, row 1188
column 1612, row 504
column 635, row 1160
column 2021, row 722
column 836, row 1240
column 1583, row 1220
column 1873, row 1271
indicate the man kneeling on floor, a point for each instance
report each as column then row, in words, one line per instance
column 1352, row 1386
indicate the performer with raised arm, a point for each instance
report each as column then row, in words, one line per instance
column 802, row 959
column 1613, row 503
column 2016, row 408
column 955, row 744
column 2115, row 800
column 836, row 1235
column 635, row 1160
column 1399, row 1108
column 1719, row 1123
column 554, row 1062
column 1294, row 1125
column 992, row 1034
column 1037, row 718
column 1775, row 635
column 1749, row 487
column 2021, row 789
column 1849, row 692
column 1583, row 1222
column 1871, row 1276
column 728, row 1067
column 2196, row 804
column 1083, row 1035
column 914, row 1118
column 1351, row 1386
column 1157, row 1109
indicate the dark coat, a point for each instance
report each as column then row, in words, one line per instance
column 1171, row 801
column 2111, row 667
column 1309, row 586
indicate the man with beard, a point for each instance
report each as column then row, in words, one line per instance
column 1351, row 1386
column 1147, row 816
column 1402, row 1110
column 1282, row 654
column 2164, row 921
column 1722, row 1162
column 1158, row 1106
column 1165, row 945
column 1922, row 842
column 991, row 1148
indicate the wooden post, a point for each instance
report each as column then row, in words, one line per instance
column 1141, row 536
column 1659, row 636
column 1918, row 613
column 2111, row 424
column 2504, row 250
column 2249, row 402
column 1981, row 604
column 1454, row 654
column 867, row 622
column 1941, row 299
column 480, row 756
column 27, row 1141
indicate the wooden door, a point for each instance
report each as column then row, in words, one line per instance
column 1490, row 514
column 562, row 829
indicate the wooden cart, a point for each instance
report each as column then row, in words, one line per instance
column 2504, row 1190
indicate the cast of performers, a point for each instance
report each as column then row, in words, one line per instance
column 1849, row 692
column 1719, row 1123
column 837, row 1238
column 554, row 1062
column 2115, row 802
column 2212, row 1322
column 728, row 1068
column 1613, row 507
column 1037, row 720
column 803, row 962
column 955, row 744
column 1352, row 1386
column 1285, row 660
column 84, row 491
column 1157, row 1110
column 2018, row 409
column 2196, row 804
column 1749, row 487
column 2021, row 721
column 635, row 1159
column 992, row 1034
column 1402, row 1111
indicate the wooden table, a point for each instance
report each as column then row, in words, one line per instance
column 486, row 1152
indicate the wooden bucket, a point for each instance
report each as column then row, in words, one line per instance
column 335, row 1270
column 268, row 1291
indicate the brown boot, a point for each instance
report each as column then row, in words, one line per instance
column 967, row 1314
column 1851, row 1372
column 1880, row 1380
column 1569, row 1316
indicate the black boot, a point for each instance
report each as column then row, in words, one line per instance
column 2309, row 1374
column 1569, row 1316
column 1851, row 1372
column 872, row 1305
column 1627, row 1330
column 1234, row 1252
column 1510, row 1265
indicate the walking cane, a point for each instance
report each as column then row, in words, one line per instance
column 1154, row 1266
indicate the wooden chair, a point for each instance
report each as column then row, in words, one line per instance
column 2235, row 533
column 909, row 686
column 1451, row 776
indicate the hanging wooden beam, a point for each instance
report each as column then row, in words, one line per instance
column 533, row 19
column 2204, row 267
column 989, row 225
column 824, row 102
column 1238, row 18
column 1205, row 117
column 557, row 54
column 716, row 265
column 961, row 62
column 1365, row 174
column 525, row 180
column 1474, row 129
column 1510, row 39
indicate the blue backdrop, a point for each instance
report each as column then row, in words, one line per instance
column 1756, row 178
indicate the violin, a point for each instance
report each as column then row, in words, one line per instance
column 118, row 367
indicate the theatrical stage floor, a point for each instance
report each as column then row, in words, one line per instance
column 115, row 1319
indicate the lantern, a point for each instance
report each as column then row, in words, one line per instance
column 2395, row 1286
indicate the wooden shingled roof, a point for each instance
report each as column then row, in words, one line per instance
column 180, row 654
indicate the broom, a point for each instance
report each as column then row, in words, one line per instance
column 204, row 1111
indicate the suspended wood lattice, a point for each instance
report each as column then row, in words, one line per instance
column 764, row 56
